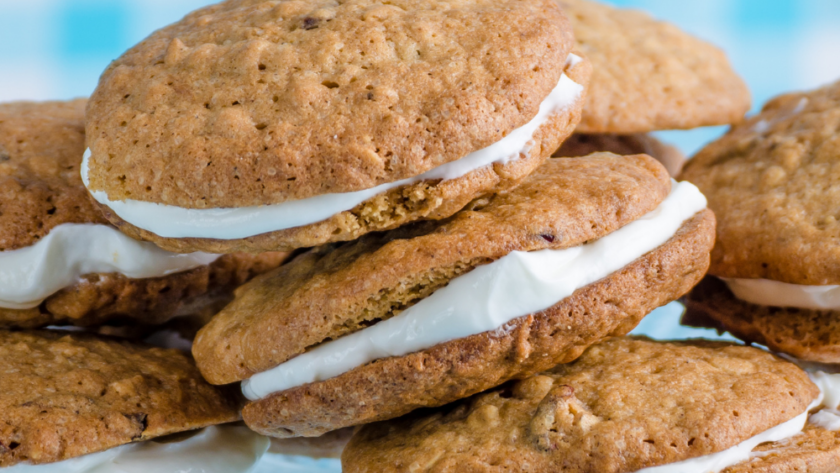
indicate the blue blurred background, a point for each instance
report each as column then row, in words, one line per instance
column 55, row 49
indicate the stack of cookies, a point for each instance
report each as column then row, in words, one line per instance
column 424, row 228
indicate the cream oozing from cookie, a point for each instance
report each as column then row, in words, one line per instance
column 780, row 294
column 486, row 298
column 222, row 449
column 31, row 274
column 234, row 223
column 828, row 418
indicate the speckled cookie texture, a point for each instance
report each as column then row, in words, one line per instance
column 810, row 335
column 772, row 182
column 624, row 405
column 41, row 147
column 579, row 145
column 338, row 290
column 816, row 450
column 250, row 102
column 63, row 395
column 649, row 75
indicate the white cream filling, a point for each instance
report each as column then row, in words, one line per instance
column 222, row 449
column 487, row 298
column 234, row 223
column 30, row 275
column 828, row 419
column 780, row 294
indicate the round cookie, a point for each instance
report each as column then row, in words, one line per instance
column 624, row 405
column 41, row 147
column 771, row 183
column 66, row 395
column 342, row 291
column 648, row 75
column 579, row 145
column 290, row 101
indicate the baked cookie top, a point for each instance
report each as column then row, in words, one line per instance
column 41, row 147
column 337, row 290
column 772, row 182
column 625, row 404
column 65, row 395
column 649, row 75
column 251, row 102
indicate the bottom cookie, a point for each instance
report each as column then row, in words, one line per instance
column 626, row 405
column 809, row 335
column 640, row 143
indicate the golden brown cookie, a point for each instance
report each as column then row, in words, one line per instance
column 807, row 334
column 626, row 404
column 640, row 143
column 336, row 291
column 648, row 75
column 772, row 184
column 66, row 395
column 293, row 100
column 41, row 147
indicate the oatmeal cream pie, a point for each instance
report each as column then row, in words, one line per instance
column 649, row 75
column 579, row 145
column 437, row 311
column 61, row 262
column 275, row 125
column 627, row 405
column 79, row 402
column 773, row 184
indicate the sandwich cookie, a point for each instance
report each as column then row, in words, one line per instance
column 627, row 405
column 772, row 182
column 640, row 143
column 649, row 75
column 66, row 397
column 434, row 312
column 61, row 262
column 264, row 126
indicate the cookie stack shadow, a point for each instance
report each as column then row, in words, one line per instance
column 415, row 236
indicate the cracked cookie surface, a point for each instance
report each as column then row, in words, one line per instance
column 625, row 404
column 65, row 395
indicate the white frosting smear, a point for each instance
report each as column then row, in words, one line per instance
column 235, row 223
column 31, row 274
column 224, row 449
column 487, row 298
column 828, row 419
column 829, row 385
column 780, row 294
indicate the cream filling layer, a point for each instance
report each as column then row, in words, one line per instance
column 234, row 223
column 221, row 449
column 30, row 275
column 487, row 298
column 780, row 294
column 827, row 418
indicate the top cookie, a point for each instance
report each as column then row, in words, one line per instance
column 249, row 102
column 772, row 184
column 649, row 75
column 624, row 405
column 40, row 186
column 66, row 395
